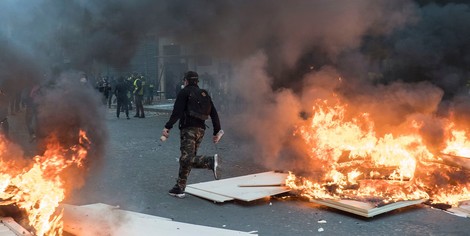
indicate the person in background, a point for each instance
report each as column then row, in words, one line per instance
column 121, row 91
column 104, row 89
column 139, row 85
column 4, row 102
column 112, row 86
column 31, row 101
column 130, row 97
column 192, row 127
column 149, row 90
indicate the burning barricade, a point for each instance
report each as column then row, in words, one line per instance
column 37, row 186
column 354, row 162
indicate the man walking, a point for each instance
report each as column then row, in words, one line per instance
column 193, row 106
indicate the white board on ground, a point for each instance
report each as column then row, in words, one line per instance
column 364, row 208
column 208, row 195
column 90, row 220
column 9, row 227
column 230, row 188
column 463, row 209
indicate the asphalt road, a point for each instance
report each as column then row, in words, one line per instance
column 138, row 170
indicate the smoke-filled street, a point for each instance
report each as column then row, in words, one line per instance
column 138, row 170
column 365, row 101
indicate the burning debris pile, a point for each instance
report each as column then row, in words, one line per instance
column 35, row 178
column 37, row 187
column 354, row 162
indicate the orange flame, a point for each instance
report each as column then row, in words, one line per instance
column 360, row 164
column 38, row 188
column 457, row 144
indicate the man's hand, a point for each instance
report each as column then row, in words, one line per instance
column 165, row 134
column 218, row 136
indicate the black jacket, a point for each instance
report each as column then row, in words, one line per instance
column 180, row 113
column 121, row 90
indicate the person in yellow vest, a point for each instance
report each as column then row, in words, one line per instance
column 139, row 84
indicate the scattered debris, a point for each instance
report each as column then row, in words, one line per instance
column 463, row 209
column 245, row 188
column 365, row 209
column 257, row 186
column 453, row 160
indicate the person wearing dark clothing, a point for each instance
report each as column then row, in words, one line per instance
column 121, row 91
column 104, row 88
column 107, row 90
column 31, row 100
column 4, row 102
column 139, row 84
column 112, row 86
column 191, row 134
column 130, row 96
column 149, row 87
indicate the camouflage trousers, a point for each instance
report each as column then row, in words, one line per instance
column 190, row 139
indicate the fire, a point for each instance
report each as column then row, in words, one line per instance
column 357, row 163
column 457, row 144
column 38, row 188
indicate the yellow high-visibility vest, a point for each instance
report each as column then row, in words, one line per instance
column 141, row 90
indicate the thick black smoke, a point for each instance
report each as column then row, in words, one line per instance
column 286, row 53
column 434, row 48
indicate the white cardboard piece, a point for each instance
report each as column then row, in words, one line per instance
column 364, row 208
column 101, row 219
column 245, row 188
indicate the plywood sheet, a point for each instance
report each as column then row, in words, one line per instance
column 260, row 186
column 461, row 161
column 462, row 210
column 271, row 178
column 246, row 193
column 101, row 207
column 207, row 195
column 459, row 212
column 364, row 208
column 9, row 227
column 465, row 206
column 103, row 219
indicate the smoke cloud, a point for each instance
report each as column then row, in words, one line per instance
column 393, row 59
column 398, row 62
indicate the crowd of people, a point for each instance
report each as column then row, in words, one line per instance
column 23, row 104
column 127, row 93
column 193, row 107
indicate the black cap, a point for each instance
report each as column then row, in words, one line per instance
column 191, row 75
